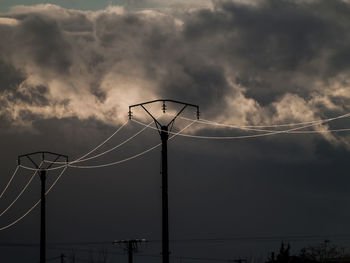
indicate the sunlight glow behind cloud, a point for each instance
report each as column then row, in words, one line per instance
column 228, row 59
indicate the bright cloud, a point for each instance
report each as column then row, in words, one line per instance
column 253, row 64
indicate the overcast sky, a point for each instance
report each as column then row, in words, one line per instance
column 70, row 69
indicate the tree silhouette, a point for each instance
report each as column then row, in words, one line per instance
column 282, row 257
column 323, row 252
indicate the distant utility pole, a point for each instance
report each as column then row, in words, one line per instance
column 131, row 246
column 326, row 242
column 33, row 158
column 164, row 131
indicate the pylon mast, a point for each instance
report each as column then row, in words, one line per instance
column 131, row 246
column 42, row 174
column 164, row 131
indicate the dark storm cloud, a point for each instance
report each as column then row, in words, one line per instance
column 10, row 78
column 274, row 44
column 269, row 61
column 204, row 84
column 49, row 48
column 70, row 75
column 38, row 40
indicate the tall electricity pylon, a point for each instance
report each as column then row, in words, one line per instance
column 131, row 246
column 32, row 157
column 164, row 131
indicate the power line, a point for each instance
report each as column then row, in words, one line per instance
column 203, row 121
column 96, row 148
column 260, row 238
column 131, row 157
column 9, row 182
column 105, row 141
column 117, row 162
column 267, row 133
column 323, row 131
column 31, row 209
column 47, row 169
column 20, row 194
column 239, row 136
column 98, row 155
column 208, row 239
column 138, row 255
column 115, row 147
column 208, row 122
column 53, row 246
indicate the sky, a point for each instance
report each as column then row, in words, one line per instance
column 70, row 69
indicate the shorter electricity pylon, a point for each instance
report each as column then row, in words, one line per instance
column 131, row 246
column 32, row 157
column 62, row 258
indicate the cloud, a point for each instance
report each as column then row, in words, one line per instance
column 162, row 5
column 70, row 75
column 266, row 62
column 8, row 21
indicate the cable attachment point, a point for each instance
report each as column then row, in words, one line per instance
column 164, row 107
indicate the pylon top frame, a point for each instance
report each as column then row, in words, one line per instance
column 43, row 158
column 171, row 123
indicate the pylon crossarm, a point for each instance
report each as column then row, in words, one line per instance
column 43, row 154
column 163, row 100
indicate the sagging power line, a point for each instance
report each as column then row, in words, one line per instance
column 209, row 122
column 21, row 192
column 85, row 158
column 35, row 205
column 9, row 182
column 298, row 130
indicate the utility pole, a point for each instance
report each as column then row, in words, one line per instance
column 131, row 246
column 164, row 131
column 326, row 242
column 33, row 158
column 62, row 258
column 43, row 217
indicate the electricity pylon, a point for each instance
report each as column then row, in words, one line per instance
column 164, row 132
column 131, row 246
column 42, row 174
